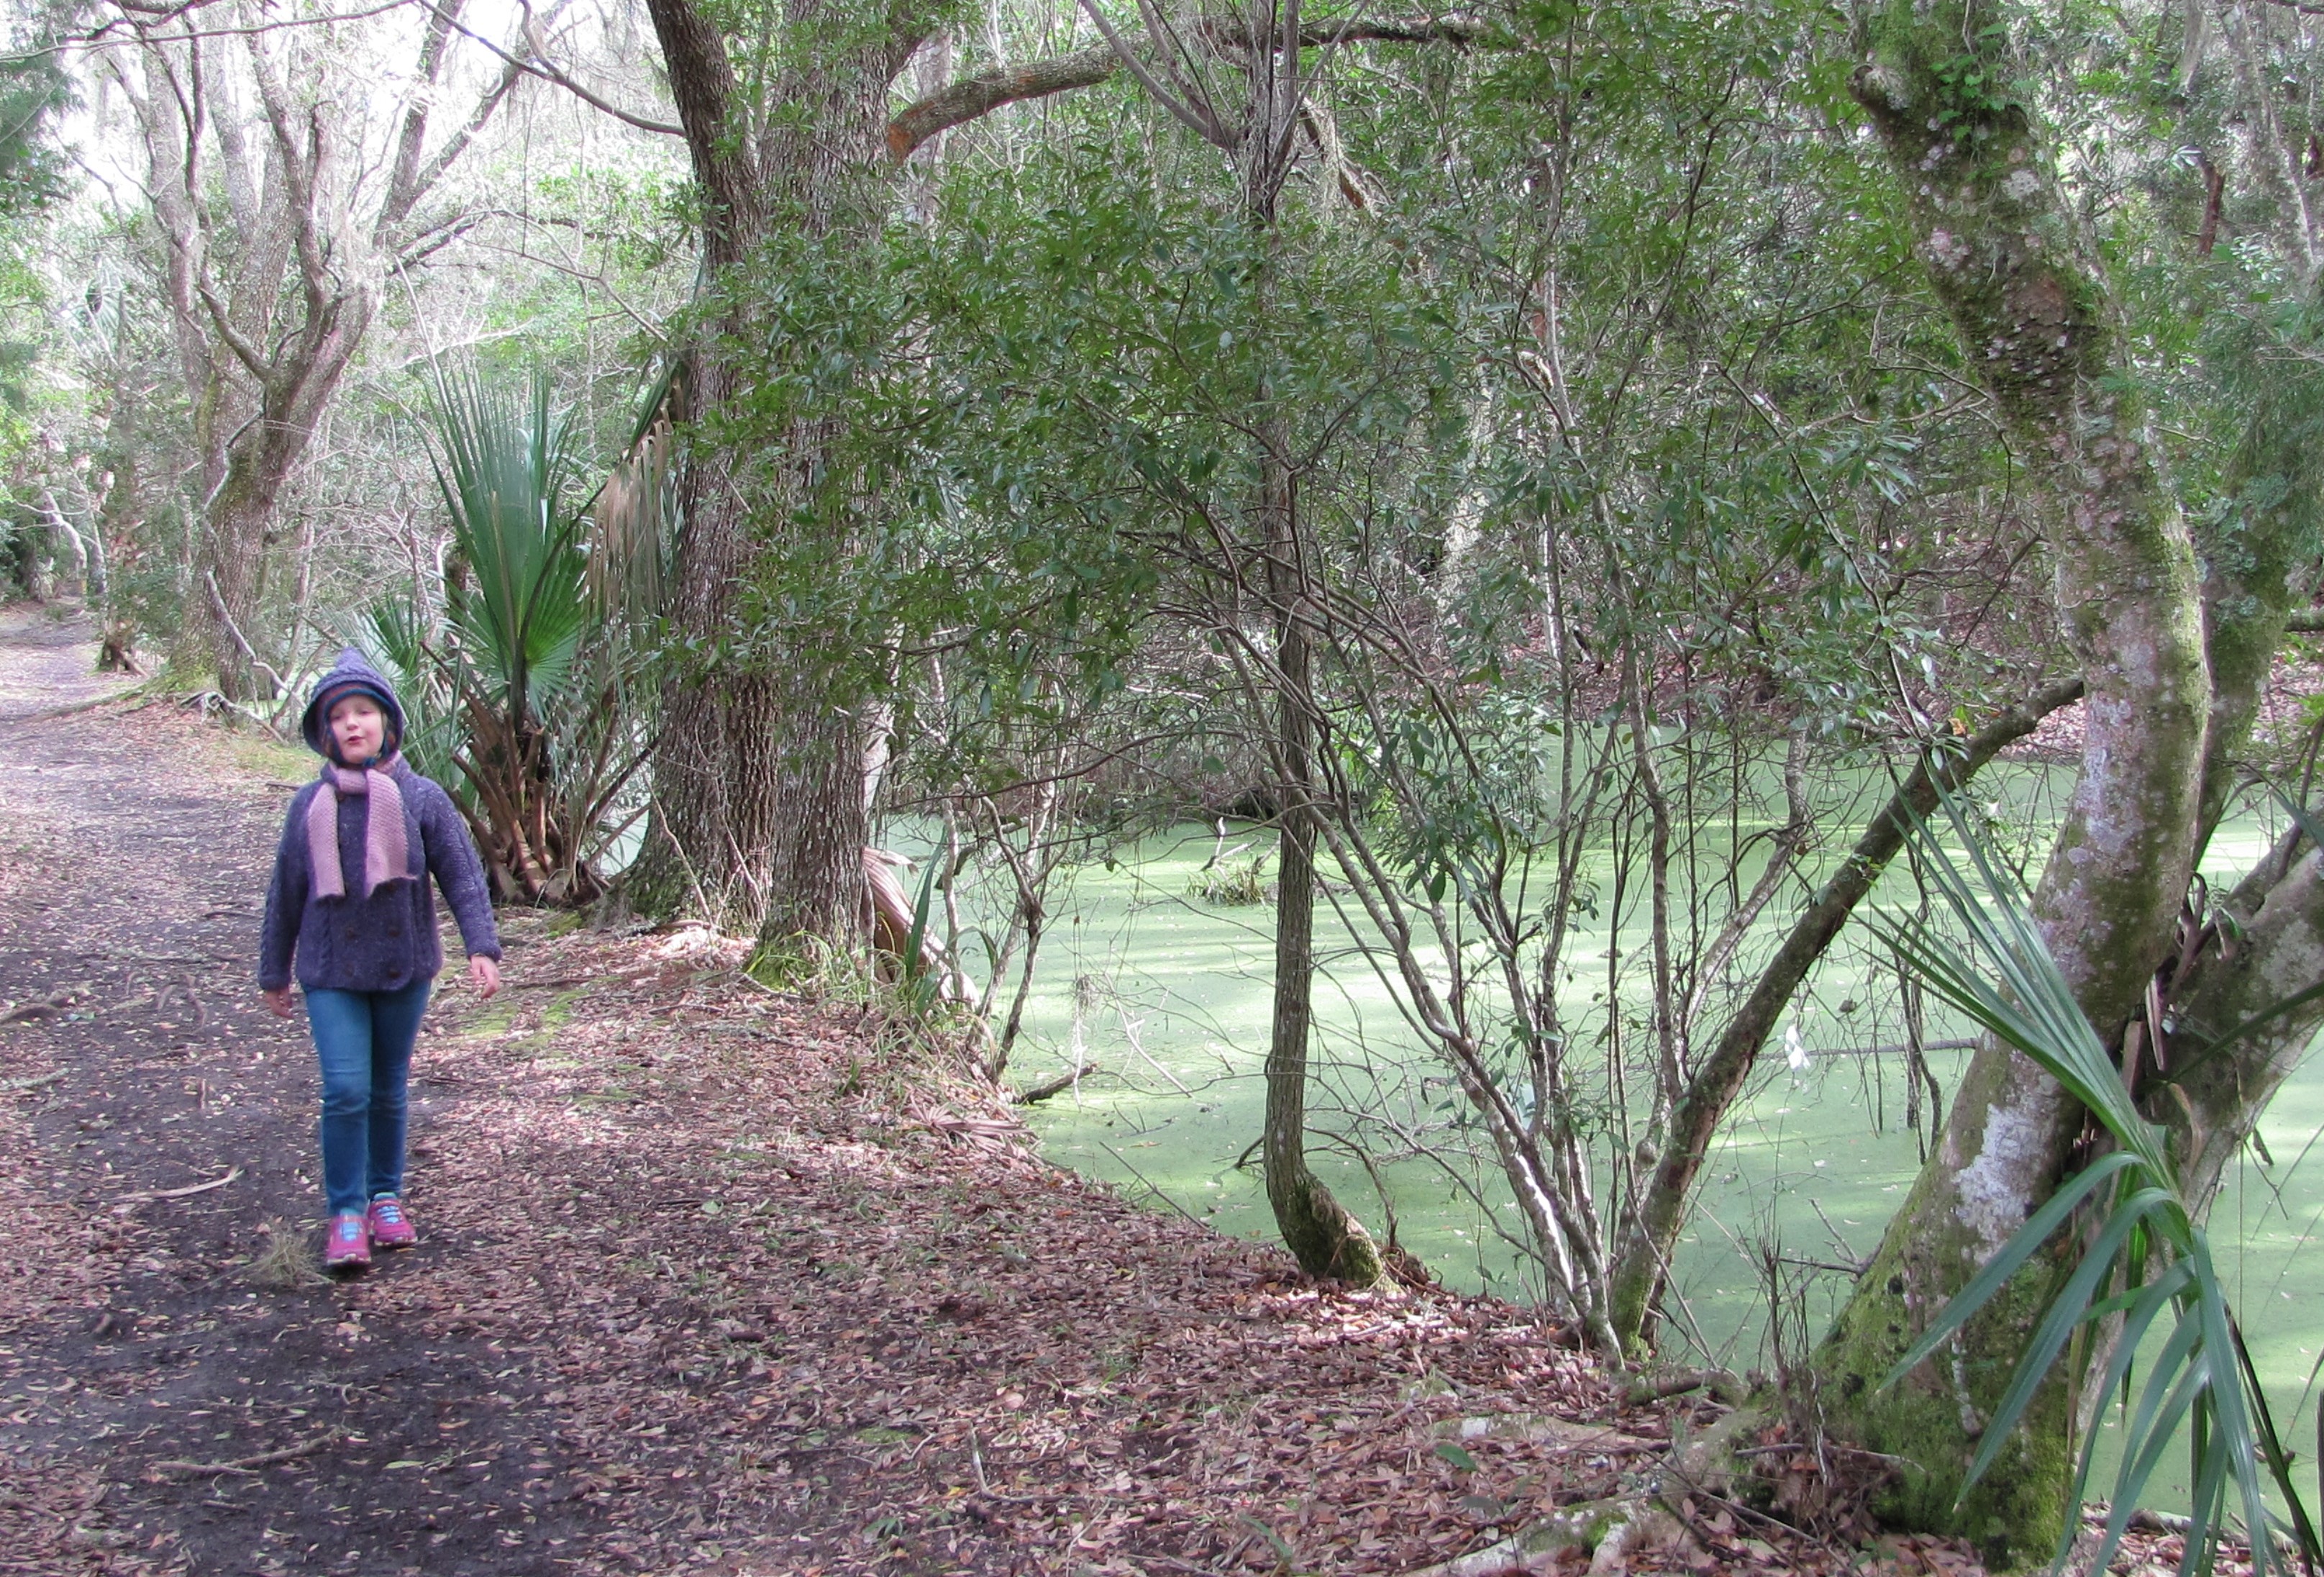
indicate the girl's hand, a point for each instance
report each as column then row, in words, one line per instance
column 485, row 975
column 278, row 1002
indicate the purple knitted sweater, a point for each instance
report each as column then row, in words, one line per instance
column 385, row 942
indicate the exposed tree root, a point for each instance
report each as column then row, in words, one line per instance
column 1611, row 1529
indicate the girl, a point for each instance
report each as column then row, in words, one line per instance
column 350, row 897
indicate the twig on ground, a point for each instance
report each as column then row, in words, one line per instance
column 185, row 1193
column 1719, row 1382
column 1176, row 1564
column 1150, row 1188
column 249, row 1465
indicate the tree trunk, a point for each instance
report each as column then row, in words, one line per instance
column 1317, row 1228
column 229, row 565
column 227, row 568
column 818, row 888
column 758, row 777
column 2275, row 482
column 2031, row 306
column 717, row 767
column 264, row 336
column 2278, row 955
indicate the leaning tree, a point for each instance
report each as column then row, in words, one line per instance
column 2173, row 626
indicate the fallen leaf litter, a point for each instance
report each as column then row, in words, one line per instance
column 711, row 1280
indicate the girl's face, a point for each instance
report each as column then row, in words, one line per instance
column 357, row 728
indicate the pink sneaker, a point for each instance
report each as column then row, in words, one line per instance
column 349, row 1247
column 389, row 1227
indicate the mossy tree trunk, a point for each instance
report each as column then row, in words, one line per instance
column 1318, row 1229
column 2030, row 305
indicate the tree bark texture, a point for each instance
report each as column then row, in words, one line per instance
column 2032, row 309
column 270, row 284
column 1318, row 1229
column 759, row 778
column 981, row 93
column 2274, row 486
column 2212, row 1100
column 1651, row 1232
column 717, row 760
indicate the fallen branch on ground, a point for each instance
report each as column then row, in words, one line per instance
column 993, row 1132
column 1654, row 1387
column 185, row 1193
column 248, row 1466
column 41, row 1009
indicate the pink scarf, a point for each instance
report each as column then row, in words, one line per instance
column 387, row 852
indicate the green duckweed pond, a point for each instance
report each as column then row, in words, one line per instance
column 1169, row 997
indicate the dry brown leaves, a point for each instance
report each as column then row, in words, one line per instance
column 804, row 1290
column 766, row 1288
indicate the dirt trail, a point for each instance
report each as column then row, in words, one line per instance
column 712, row 1280
column 140, row 1065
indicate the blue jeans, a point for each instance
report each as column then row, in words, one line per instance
column 363, row 1042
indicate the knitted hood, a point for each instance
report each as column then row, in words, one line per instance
column 351, row 675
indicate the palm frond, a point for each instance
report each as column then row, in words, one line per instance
column 547, row 686
column 2147, row 1240
column 393, row 634
column 503, row 466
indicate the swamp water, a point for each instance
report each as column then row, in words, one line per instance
column 1169, row 996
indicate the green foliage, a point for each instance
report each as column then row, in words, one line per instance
column 396, row 636
column 641, row 215
column 32, row 91
column 528, row 687
column 2144, row 1257
column 504, row 466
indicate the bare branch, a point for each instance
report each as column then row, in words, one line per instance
column 1417, row 30
column 162, row 13
column 486, row 107
column 1353, row 179
column 302, row 165
column 549, row 73
column 433, row 238
column 1647, row 1237
column 988, row 90
column 102, row 35
column 971, row 96
column 649, row 326
column 1201, row 121
column 404, row 175
column 261, row 366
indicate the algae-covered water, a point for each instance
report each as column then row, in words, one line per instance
column 1169, row 997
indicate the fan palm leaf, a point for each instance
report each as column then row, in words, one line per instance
column 545, row 682
column 503, row 463
column 2147, row 1240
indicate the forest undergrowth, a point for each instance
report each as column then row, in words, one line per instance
column 713, row 1279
